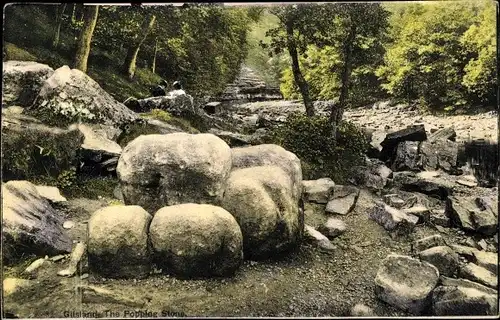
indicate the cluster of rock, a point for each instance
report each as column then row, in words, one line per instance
column 63, row 113
column 437, row 282
column 246, row 201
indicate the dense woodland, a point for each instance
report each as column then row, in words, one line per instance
column 440, row 55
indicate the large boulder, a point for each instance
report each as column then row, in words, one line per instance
column 69, row 95
column 31, row 148
column 263, row 201
column 272, row 155
column 470, row 214
column 22, row 81
column 177, row 105
column 407, row 156
column 406, row 283
column 391, row 141
column 160, row 170
column 459, row 297
column 439, row 154
column 118, row 242
column 193, row 240
column 429, row 183
column 29, row 223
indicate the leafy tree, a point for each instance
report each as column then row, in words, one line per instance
column 427, row 59
column 291, row 35
column 479, row 43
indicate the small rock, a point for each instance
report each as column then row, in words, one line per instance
column 35, row 265
column 439, row 219
column 84, row 276
column 11, row 285
column 361, row 310
column 406, row 283
column 423, row 214
column 343, row 200
column 321, row 240
column 92, row 294
column 443, row 258
column 471, row 243
column 428, row 242
column 75, row 258
column 392, row 218
column 482, row 244
column 467, row 183
column 68, row 224
column 50, row 193
column 333, row 228
column 479, row 274
column 58, row 257
column 357, row 249
column 318, row 191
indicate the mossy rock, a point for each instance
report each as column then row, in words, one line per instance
column 36, row 152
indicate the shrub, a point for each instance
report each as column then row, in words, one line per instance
column 321, row 154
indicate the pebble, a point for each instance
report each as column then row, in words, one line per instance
column 68, row 224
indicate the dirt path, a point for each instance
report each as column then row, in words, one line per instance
column 308, row 282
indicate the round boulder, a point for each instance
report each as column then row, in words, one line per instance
column 118, row 242
column 263, row 201
column 161, row 170
column 196, row 240
column 406, row 283
column 270, row 155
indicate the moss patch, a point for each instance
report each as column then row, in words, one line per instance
column 13, row 52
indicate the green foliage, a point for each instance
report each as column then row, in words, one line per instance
column 165, row 116
column 135, row 130
column 91, row 187
column 35, row 156
column 440, row 53
column 340, row 46
column 479, row 42
column 322, row 154
column 161, row 115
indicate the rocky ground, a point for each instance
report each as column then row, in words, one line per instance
column 385, row 118
column 309, row 282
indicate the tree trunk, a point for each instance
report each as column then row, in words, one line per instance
column 337, row 111
column 73, row 14
column 83, row 49
column 129, row 65
column 153, row 65
column 297, row 74
column 60, row 12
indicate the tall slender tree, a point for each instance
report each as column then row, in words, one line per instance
column 129, row 65
column 59, row 18
column 85, row 38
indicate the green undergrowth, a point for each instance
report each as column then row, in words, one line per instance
column 321, row 154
